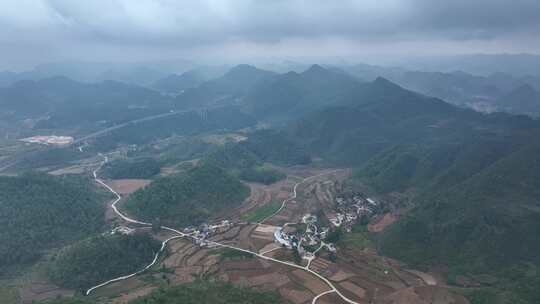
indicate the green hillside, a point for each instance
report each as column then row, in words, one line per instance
column 138, row 168
column 246, row 159
column 68, row 300
column 101, row 258
column 474, row 179
column 293, row 94
column 188, row 198
column 70, row 103
column 488, row 223
column 206, row 292
column 40, row 211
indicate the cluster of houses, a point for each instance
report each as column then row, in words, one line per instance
column 202, row 233
column 307, row 241
column 49, row 140
column 122, row 230
column 350, row 208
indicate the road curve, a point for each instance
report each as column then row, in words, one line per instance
column 183, row 235
column 321, row 295
column 128, row 219
column 143, row 119
column 156, row 256
column 285, row 201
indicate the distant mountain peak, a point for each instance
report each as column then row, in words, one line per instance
column 315, row 69
column 526, row 88
column 243, row 68
column 385, row 83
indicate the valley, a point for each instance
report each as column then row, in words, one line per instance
column 357, row 192
column 205, row 253
column 269, row 152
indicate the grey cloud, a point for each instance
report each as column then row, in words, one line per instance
column 60, row 25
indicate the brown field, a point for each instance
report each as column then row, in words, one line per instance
column 362, row 275
column 127, row 186
column 381, row 223
column 37, row 291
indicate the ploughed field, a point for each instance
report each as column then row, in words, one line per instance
column 359, row 274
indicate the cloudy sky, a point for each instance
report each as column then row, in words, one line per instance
column 38, row 31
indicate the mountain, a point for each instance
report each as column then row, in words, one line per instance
column 293, row 94
column 524, row 99
column 188, row 199
column 99, row 258
column 140, row 73
column 478, row 64
column 7, row 78
column 68, row 102
column 229, row 88
column 175, row 83
column 39, row 212
column 472, row 179
column 481, row 93
column 373, row 116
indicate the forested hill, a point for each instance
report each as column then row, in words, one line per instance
column 291, row 95
column 246, row 159
column 200, row 292
column 475, row 177
column 187, row 198
column 380, row 114
column 138, row 168
column 101, row 258
column 39, row 211
column 226, row 89
column 70, row 103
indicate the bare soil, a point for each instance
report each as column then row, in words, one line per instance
column 128, row 186
column 386, row 220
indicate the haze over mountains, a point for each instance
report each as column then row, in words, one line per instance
column 257, row 152
column 468, row 179
column 496, row 92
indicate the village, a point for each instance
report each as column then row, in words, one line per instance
column 310, row 236
column 351, row 208
column 305, row 238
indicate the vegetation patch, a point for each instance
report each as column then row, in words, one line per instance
column 40, row 211
column 262, row 212
column 209, row 292
column 8, row 294
column 358, row 238
column 231, row 254
column 101, row 258
column 68, row 300
column 261, row 174
column 188, row 198
column 140, row 168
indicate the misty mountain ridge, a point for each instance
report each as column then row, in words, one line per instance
column 175, row 83
column 460, row 88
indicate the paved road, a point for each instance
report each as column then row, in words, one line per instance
column 294, row 194
column 333, row 289
column 128, row 219
column 5, row 164
column 136, row 121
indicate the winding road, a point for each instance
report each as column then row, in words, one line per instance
column 180, row 234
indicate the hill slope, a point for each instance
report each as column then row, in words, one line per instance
column 39, row 211
column 101, row 258
column 69, row 103
column 474, row 176
column 293, row 94
column 187, row 199
column 206, row 292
